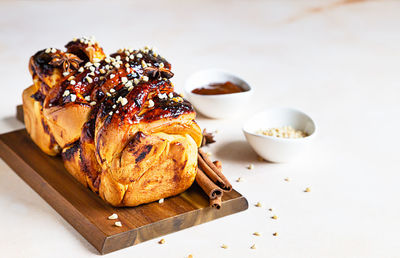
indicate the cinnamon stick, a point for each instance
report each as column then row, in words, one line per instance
column 213, row 172
column 208, row 186
column 218, row 164
column 216, row 203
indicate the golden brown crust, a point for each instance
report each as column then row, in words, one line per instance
column 122, row 129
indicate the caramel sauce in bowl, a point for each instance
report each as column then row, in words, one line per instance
column 218, row 88
column 218, row 94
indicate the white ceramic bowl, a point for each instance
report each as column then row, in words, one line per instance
column 279, row 149
column 218, row 106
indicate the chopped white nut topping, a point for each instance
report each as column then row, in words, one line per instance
column 151, row 103
column 65, row 74
column 118, row 224
column 161, row 200
column 124, row 80
column 93, row 103
column 66, row 93
column 53, row 50
column 112, row 76
column 47, row 50
column 73, row 97
column 81, row 69
column 112, row 90
column 136, row 81
column 89, row 80
column 87, row 98
column 171, row 95
column 128, row 84
column 72, row 82
column 124, row 101
column 162, row 95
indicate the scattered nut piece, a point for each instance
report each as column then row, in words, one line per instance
column 258, row 204
column 161, row 200
column 250, row 167
column 73, row 97
column 113, row 216
column 162, row 241
column 253, row 246
column 190, row 256
column 274, row 217
column 287, row 179
column 118, row 224
column 256, row 234
column 275, row 234
column 307, row 190
column 239, row 179
column 270, row 209
column 224, row 246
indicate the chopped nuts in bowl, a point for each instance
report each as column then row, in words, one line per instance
column 279, row 134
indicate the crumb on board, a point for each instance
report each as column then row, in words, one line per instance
column 113, row 216
column 162, row 241
column 224, row 246
column 258, row 204
column 253, row 246
column 307, row 190
column 256, row 234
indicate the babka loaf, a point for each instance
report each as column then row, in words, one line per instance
column 119, row 126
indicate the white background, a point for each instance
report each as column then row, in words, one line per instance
column 338, row 61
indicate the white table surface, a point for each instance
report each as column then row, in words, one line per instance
column 339, row 62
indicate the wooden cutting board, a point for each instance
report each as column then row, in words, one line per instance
column 87, row 213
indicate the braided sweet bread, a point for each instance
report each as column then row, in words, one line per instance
column 121, row 129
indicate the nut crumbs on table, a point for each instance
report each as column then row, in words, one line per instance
column 113, row 216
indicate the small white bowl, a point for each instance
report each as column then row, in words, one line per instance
column 279, row 149
column 218, row 106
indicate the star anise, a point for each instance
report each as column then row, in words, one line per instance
column 154, row 72
column 207, row 138
column 66, row 60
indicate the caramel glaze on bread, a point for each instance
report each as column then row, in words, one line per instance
column 121, row 129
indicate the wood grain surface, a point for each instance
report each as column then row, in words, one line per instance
column 87, row 213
